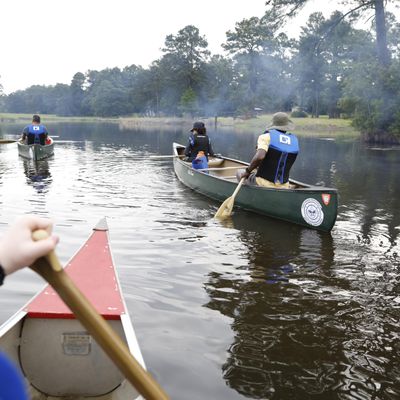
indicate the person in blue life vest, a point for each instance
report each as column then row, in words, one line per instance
column 35, row 132
column 277, row 149
column 17, row 249
column 198, row 141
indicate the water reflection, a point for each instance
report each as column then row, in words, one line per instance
column 38, row 174
column 273, row 337
column 302, row 328
column 290, row 313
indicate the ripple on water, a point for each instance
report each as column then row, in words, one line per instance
column 248, row 308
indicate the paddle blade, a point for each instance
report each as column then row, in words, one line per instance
column 225, row 210
column 226, row 207
column 6, row 141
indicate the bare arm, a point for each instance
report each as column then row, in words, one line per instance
column 255, row 162
column 24, row 133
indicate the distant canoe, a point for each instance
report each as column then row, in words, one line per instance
column 36, row 151
column 57, row 356
column 307, row 205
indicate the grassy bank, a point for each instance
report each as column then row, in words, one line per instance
column 48, row 118
column 321, row 127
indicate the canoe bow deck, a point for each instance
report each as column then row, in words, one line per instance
column 311, row 206
column 58, row 358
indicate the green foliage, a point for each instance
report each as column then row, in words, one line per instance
column 395, row 127
column 249, row 36
column 2, row 98
column 299, row 114
column 347, row 106
column 188, row 103
column 372, row 97
column 184, row 60
column 333, row 68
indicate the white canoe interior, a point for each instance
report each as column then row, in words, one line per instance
column 60, row 360
column 58, row 357
column 226, row 168
column 217, row 166
column 36, row 151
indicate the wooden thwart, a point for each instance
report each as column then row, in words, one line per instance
column 221, row 169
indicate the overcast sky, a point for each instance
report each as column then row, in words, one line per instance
column 47, row 41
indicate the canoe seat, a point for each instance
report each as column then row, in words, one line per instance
column 71, row 362
column 214, row 162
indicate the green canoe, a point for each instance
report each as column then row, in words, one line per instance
column 311, row 206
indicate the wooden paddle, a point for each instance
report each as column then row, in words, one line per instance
column 226, row 207
column 51, row 270
column 6, row 141
column 168, row 156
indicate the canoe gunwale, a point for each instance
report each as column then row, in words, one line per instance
column 38, row 152
column 307, row 205
column 21, row 329
column 302, row 186
column 12, row 321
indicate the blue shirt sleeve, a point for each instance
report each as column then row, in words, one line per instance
column 12, row 385
column 189, row 145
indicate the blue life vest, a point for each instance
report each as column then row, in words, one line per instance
column 282, row 153
column 36, row 130
column 12, row 385
column 200, row 162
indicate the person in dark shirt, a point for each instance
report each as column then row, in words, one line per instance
column 198, row 141
column 35, row 132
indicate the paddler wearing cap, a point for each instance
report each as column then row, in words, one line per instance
column 198, row 142
column 277, row 149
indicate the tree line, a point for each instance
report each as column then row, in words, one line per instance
column 333, row 68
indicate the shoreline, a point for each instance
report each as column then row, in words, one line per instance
column 321, row 127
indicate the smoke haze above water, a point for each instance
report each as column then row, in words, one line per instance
column 47, row 42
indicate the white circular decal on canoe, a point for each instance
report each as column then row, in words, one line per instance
column 311, row 211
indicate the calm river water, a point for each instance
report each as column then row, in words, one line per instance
column 252, row 308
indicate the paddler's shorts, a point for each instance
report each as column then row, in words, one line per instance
column 258, row 181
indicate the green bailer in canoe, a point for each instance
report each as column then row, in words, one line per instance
column 36, row 151
column 311, row 206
